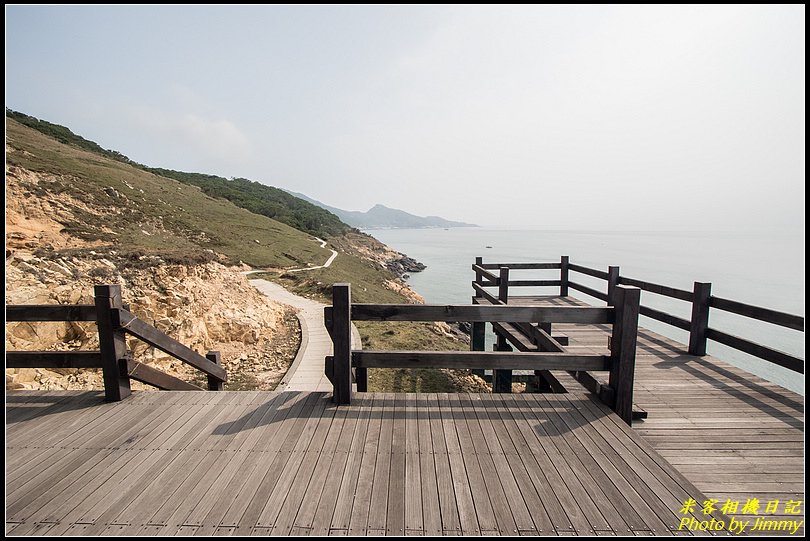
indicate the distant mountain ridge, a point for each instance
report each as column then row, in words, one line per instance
column 382, row 217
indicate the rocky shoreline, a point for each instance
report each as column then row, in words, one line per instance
column 404, row 265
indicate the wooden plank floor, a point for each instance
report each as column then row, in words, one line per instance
column 282, row 463
column 733, row 434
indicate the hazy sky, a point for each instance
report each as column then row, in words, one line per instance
column 564, row 117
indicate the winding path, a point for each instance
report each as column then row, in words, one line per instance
column 307, row 370
column 313, row 267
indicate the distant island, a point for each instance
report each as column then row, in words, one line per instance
column 382, row 217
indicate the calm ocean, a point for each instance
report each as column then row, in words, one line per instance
column 761, row 269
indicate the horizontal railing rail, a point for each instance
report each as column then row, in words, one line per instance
column 700, row 298
column 51, row 312
column 521, row 266
column 767, row 315
column 510, row 360
column 476, row 313
column 620, row 364
column 113, row 319
column 658, row 289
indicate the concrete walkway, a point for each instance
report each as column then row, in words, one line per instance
column 328, row 261
column 307, row 370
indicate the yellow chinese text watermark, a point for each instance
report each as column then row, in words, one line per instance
column 751, row 521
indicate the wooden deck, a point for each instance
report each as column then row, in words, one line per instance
column 292, row 463
column 733, row 434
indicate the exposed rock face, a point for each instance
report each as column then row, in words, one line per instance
column 206, row 307
column 203, row 304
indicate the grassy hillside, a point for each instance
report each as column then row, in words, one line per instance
column 253, row 196
column 125, row 207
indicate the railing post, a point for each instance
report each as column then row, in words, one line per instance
column 623, row 350
column 564, row 276
column 478, row 341
column 503, row 285
column 612, row 282
column 502, row 379
column 361, row 379
column 214, row 383
column 700, row 318
column 478, row 261
column 112, row 342
column 342, row 342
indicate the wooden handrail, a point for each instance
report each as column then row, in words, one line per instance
column 589, row 271
column 756, row 312
column 53, row 359
column 521, row 266
column 658, row 289
column 589, row 291
column 700, row 298
column 130, row 324
column 534, row 283
column 763, row 352
column 339, row 366
column 480, row 359
column 486, row 274
column 113, row 319
column 664, row 317
column 51, row 312
column 473, row 313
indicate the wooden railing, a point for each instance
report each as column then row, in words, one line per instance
column 700, row 298
column 620, row 363
column 113, row 320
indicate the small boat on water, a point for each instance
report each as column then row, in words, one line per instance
column 489, row 246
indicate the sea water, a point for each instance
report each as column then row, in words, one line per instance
column 763, row 269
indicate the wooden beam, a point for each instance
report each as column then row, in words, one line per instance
column 612, row 282
column 214, row 383
column 485, row 313
column 501, row 377
column 478, row 276
column 480, row 292
column 546, row 381
column 479, row 359
column 623, row 350
column 53, row 359
column 756, row 312
column 157, row 378
column 588, row 291
column 546, row 342
column 514, row 335
column 564, row 276
column 503, row 285
column 342, row 344
column 763, row 352
column 478, row 341
column 700, row 318
column 587, row 270
column 522, row 266
column 112, row 342
column 669, row 319
column 603, row 391
column 165, row 343
column 534, row 283
column 51, row 312
column 481, row 273
column 657, row 289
